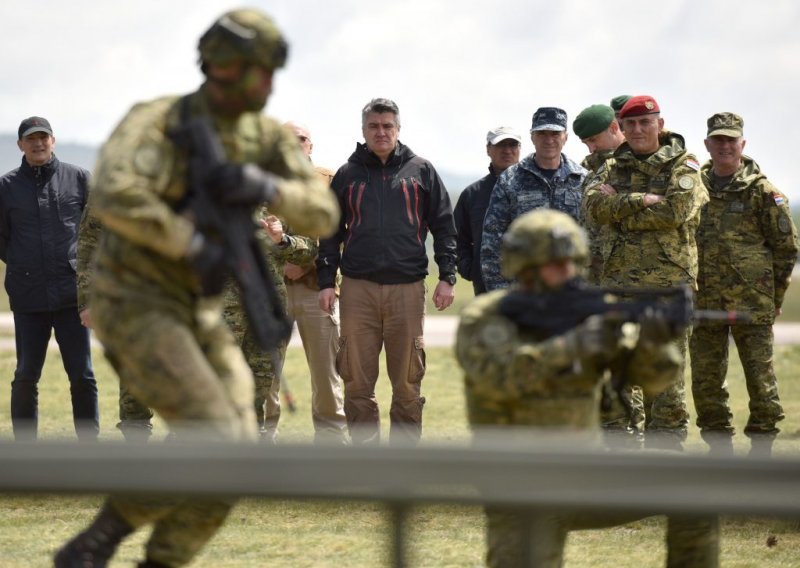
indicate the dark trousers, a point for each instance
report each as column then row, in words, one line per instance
column 32, row 331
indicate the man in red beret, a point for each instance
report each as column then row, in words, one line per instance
column 651, row 194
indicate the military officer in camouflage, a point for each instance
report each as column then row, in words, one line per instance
column 546, row 178
column 267, row 366
column 516, row 375
column 597, row 127
column 156, row 303
column 650, row 194
column 748, row 246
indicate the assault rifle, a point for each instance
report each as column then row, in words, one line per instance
column 235, row 229
column 558, row 312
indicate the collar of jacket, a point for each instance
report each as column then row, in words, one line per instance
column 672, row 147
column 748, row 173
column 565, row 169
column 45, row 170
column 367, row 157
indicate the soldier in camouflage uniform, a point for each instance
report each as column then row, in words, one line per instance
column 650, row 194
column 135, row 419
column 267, row 366
column 546, row 178
column 748, row 246
column 515, row 375
column 598, row 128
column 156, row 302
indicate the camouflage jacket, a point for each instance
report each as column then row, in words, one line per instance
column 140, row 183
column 649, row 246
column 519, row 376
column 88, row 235
column 747, row 243
column 293, row 249
column 597, row 234
column 309, row 278
column 519, row 189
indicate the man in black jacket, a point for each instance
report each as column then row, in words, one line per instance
column 390, row 198
column 502, row 146
column 41, row 204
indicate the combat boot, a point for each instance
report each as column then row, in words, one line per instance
column 761, row 445
column 720, row 442
column 96, row 545
column 663, row 440
column 151, row 564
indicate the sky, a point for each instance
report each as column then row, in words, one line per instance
column 456, row 68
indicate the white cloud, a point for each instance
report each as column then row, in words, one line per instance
column 456, row 68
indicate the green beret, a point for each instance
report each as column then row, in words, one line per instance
column 592, row 120
column 619, row 101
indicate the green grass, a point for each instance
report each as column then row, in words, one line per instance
column 321, row 534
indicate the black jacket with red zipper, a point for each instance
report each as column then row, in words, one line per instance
column 387, row 212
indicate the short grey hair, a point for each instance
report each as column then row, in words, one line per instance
column 380, row 106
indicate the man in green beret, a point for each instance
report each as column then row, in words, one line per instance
column 617, row 103
column 598, row 128
column 747, row 245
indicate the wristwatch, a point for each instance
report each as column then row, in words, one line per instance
column 450, row 279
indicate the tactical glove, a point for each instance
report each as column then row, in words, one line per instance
column 592, row 338
column 241, row 184
column 207, row 259
column 656, row 330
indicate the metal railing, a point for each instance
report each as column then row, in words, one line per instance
column 544, row 475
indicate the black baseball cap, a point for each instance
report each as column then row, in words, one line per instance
column 34, row 124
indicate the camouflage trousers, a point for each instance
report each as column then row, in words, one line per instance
column 519, row 539
column 666, row 413
column 266, row 367
column 135, row 417
column 709, row 349
column 184, row 365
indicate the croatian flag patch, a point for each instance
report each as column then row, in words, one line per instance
column 694, row 164
column 779, row 200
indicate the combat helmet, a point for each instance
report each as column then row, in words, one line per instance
column 539, row 237
column 245, row 34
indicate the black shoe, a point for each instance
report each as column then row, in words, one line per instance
column 96, row 545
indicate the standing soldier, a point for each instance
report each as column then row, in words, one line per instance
column 516, row 374
column 266, row 365
column 546, row 178
column 156, row 302
column 598, row 128
column 748, row 246
column 651, row 194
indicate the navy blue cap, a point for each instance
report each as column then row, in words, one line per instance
column 549, row 118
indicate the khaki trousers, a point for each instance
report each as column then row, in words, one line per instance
column 376, row 316
column 319, row 333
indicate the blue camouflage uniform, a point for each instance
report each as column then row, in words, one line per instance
column 522, row 188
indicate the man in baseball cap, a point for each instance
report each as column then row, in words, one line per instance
column 547, row 178
column 503, row 145
column 34, row 124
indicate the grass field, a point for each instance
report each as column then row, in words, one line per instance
column 333, row 534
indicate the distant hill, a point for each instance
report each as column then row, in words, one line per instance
column 85, row 156
column 78, row 154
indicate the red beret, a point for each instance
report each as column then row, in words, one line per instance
column 639, row 105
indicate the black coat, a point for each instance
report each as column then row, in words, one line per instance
column 469, row 213
column 40, row 212
column 387, row 211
